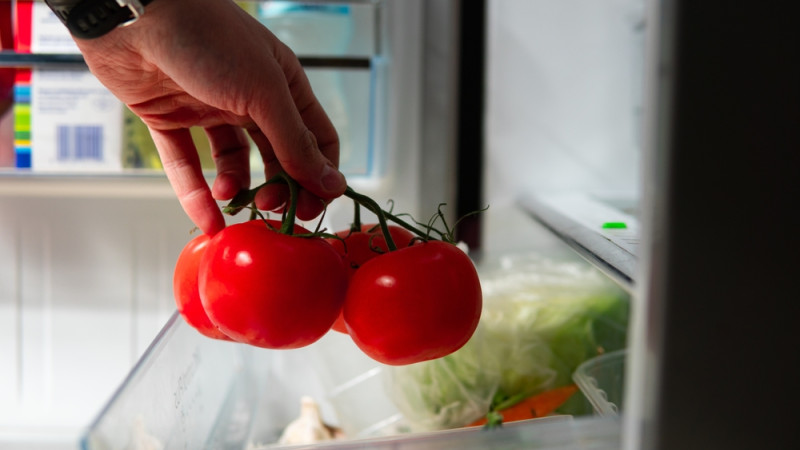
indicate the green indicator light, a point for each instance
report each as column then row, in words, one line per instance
column 614, row 225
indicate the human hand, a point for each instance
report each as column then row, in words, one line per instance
column 208, row 63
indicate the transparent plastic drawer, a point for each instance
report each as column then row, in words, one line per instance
column 189, row 391
column 602, row 381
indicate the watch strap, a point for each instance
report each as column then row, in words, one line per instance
column 89, row 19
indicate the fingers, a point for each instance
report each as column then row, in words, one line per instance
column 309, row 205
column 302, row 137
column 230, row 151
column 274, row 197
column 182, row 167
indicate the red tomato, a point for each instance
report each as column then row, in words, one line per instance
column 414, row 304
column 358, row 247
column 184, row 286
column 271, row 290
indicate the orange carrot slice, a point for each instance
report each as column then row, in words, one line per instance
column 539, row 405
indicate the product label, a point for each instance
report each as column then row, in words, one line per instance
column 76, row 123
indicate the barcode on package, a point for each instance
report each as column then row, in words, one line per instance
column 79, row 142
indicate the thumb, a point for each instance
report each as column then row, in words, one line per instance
column 301, row 136
column 312, row 165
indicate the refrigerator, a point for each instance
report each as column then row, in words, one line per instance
column 650, row 146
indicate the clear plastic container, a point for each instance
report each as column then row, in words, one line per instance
column 602, row 380
column 189, row 391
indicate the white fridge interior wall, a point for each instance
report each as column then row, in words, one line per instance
column 85, row 285
column 563, row 97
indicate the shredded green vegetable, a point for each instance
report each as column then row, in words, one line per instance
column 541, row 319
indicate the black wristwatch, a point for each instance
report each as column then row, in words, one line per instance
column 89, row 19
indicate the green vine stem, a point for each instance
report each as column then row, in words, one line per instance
column 287, row 226
column 246, row 197
column 371, row 205
column 356, row 225
column 349, row 192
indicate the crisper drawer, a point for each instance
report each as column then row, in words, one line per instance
column 189, row 391
column 192, row 392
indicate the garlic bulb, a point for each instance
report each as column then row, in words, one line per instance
column 308, row 428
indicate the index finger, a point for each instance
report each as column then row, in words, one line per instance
column 182, row 167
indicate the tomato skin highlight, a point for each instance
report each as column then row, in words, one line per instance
column 271, row 290
column 357, row 247
column 414, row 304
column 185, row 288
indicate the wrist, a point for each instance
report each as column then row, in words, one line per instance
column 89, row 19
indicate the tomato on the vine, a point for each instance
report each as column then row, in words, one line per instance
column 269, row 289
column 414, row 304
column 184, row 286
column 358, row 247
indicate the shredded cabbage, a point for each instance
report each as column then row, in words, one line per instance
column 541, row 319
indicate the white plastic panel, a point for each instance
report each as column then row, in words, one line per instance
column 85, row 285
column 563, row 96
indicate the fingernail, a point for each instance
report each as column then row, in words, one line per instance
column 332, row 179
